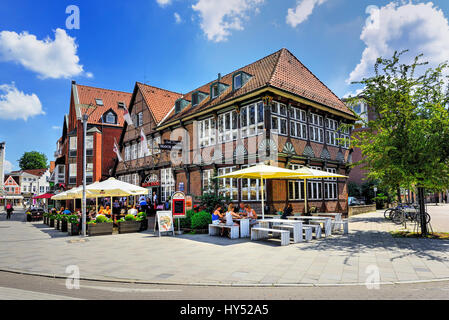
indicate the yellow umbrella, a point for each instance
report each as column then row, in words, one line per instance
column 309, row 173
column 262, row 171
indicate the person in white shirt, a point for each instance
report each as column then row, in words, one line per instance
column 133, row 211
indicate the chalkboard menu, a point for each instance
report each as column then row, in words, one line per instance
column 179, row 208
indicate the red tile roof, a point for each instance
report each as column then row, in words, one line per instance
column 111, row 98
column 159, row 101
column 281, row 70
column 36, row 172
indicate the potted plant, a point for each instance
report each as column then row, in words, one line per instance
column 46, row 218
column 100, row 226
column 63, row 223
column 51, row 219
column 129, row 224
column 73, row 225
column 29, row 217
column 58, row 219
column 142, row 217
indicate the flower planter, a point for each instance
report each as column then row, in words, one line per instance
column 144, row 225
column 99, row 229
column 29, row 217
column 63, row 225
column 57, row 225
column 129, row 226
column 73, row 229
column 46, row 220
column 52, row 223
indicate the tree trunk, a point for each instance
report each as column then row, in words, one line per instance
column 398, row 190
column 422, row 211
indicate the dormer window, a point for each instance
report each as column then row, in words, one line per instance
column 121, row 105
column 180, row 104
column 217, row 88
column 215, row 92
column 110, row 118
column 99, row 102
column 197, row 97
column 240, row 79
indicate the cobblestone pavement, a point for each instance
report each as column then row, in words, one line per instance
column 200, row 259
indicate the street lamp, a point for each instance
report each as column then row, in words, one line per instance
column 84, row 118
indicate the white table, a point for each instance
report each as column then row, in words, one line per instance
column 297, row 230
column 326, row 221
column 244, row 227
column 336, row 216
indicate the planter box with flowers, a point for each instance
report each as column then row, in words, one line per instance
column 100, row 226
column 129, row 224
column 63, row 223
column 29, row 217
column 73, row 225
column 142, row 216
column 58, row 219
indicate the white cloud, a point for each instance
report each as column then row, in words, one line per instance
column 177, row 17
column 219, row 17
column 56, row 127
column 163, row 3
column 15, row 104
column 48, row 58
column 7, row 166
column 422, row 28
column 303, row 10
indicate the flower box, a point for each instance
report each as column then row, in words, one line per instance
column 63, row 225
column 57, row 225
column 144, row 224
column 46, row 220
column 52, row 223
column 129, row 226
column 29, row 217
column 99, row 229
column 73, row 229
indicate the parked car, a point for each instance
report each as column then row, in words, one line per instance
column 355, row 202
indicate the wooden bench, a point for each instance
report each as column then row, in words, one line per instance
column 314, row 228
column 259, row 233
column 214, row 230
column 337, row 225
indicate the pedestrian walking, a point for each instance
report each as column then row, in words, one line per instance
column 9, row 210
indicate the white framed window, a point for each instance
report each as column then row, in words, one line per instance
column 73, row 146
column 252, row 119
column 89, row 169
column 206, row 132
column 238, row 81
column 167, row 184
column 215, row 91
column 316, row 128
column 135, row 179
column 330, row 186
column 314, row 187
column 72, row 170
column 140, row 119
column 251, row 188
column 89, row 142
column 127, row 152
column 279, row 118
column 110, row 118
column 99, row 102
column 139, row 150
column 228, row 187
column 227, row 126
column 345, row 137
column 295, row 187
column 207, row 180
column 134, row 151
column 331, row 132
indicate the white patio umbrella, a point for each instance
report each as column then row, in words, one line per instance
column 114, row 188
column 309, row 173
column 261, row 172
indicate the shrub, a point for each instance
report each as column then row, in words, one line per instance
column 102, row 219
column 73, row 219
column 187, row 221
column 201, row 220
column 141, row 216
column 130, row 217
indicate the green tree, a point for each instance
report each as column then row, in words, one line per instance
column 407, row 144
column 33, row 160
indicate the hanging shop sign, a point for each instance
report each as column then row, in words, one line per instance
column 189, row 203
column 151, row 181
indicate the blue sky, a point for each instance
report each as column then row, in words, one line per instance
column 181, row 44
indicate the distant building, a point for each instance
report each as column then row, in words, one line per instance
column 12, row 191
column 2, row 166
column 32, row 183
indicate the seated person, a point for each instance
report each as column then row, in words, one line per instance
column 107, row 212
column 60, row 210
column 229, row 216
column 66, row 211
column 133, row 211
column 252, row 215
column 288, row 210
column 242, row 210
column 217, row 216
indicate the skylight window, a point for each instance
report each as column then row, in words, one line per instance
column 99, row 102
column 121, row 105
column 238, row 81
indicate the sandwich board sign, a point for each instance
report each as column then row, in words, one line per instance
column 165, row 222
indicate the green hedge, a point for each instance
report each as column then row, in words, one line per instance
column 201, row 220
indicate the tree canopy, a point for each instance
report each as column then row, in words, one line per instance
column 407, row 144
column 33, row 160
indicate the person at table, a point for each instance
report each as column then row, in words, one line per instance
column 66, row 211
column 102, row 211
column 229, row 216
column 133, row 211
column 251, row 214
column 242, row 210
column 217, row 216
column 288, row 210
column 107, row 212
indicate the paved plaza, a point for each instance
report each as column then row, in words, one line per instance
column 200, row 259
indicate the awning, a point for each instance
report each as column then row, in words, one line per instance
column 44, row 196
column 12, row 198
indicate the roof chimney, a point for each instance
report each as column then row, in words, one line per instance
column 219, row 77
column 73, row 82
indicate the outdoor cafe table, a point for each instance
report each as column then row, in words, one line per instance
column 336, row 216
column 325, row 220
column 244, row 227
column 297, row 233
